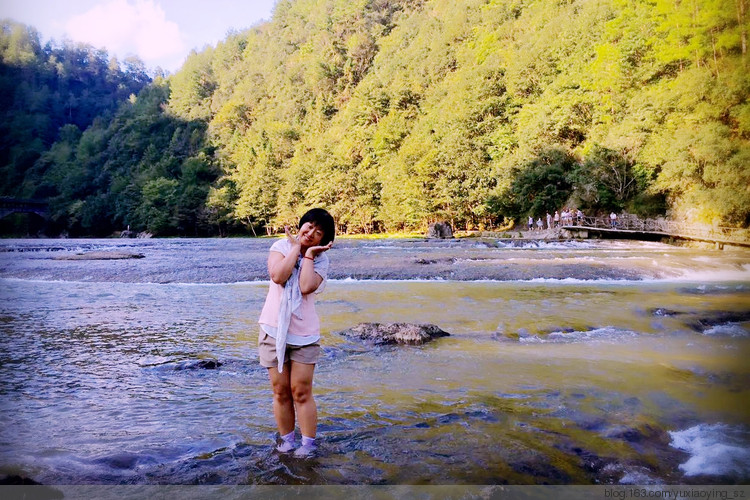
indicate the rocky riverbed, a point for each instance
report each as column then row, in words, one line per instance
column 469, row 259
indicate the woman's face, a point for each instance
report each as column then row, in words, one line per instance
column 310, row 235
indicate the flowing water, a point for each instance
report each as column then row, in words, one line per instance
column 568, row 363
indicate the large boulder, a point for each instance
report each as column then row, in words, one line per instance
column 395, row 333
column 441, row 230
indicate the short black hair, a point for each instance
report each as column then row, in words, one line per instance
column 323, row 220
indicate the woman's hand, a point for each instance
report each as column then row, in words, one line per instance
column 280, row 266
column 294, row 240
column 313, row 252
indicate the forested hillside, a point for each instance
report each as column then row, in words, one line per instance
column 44, row 88
column 395, row 113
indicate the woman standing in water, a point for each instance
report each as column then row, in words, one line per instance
column 288, row 344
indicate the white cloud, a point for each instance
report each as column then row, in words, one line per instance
column 124, row 27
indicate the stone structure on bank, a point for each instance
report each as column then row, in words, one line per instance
column 441, row 230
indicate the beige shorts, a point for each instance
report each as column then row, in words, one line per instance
column 306, row 354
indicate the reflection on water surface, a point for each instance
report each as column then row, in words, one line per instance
column 546, row 381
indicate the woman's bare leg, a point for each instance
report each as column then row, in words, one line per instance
column 301, row 387
column 283, row 403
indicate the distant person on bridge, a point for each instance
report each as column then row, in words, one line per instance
column 579, row 216
column 531, row 223
column 613, row 219
column 549, row 221
column 557, row 218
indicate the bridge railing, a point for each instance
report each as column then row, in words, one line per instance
column 633, row 223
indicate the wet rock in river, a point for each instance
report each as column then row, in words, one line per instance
column 122, row 461
column 523, row 333
column 590, row 461
column 643, row 436
column 207, row 364
column 203, row 364
column 101, row 256
column 395, row 333
column 447, row 260
column 563, row 329
column 540, row 468
column 628, row 434
column 550, row 331
column 661, row 311
column 708, row 321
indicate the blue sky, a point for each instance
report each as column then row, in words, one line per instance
column 161, row 32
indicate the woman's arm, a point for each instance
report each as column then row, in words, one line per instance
column 309, row 280
column 280, row 267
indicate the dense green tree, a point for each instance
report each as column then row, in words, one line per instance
column 45, row 88
column 144, row 168
column 540, row 186
column 606, row 179
column 393, row 114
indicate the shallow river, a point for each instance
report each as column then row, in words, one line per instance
column 568, row 363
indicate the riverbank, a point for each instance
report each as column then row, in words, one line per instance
column 545, row 234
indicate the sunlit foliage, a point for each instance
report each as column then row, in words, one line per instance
column 394, row 113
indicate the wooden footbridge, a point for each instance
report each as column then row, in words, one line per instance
column 631, row 227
